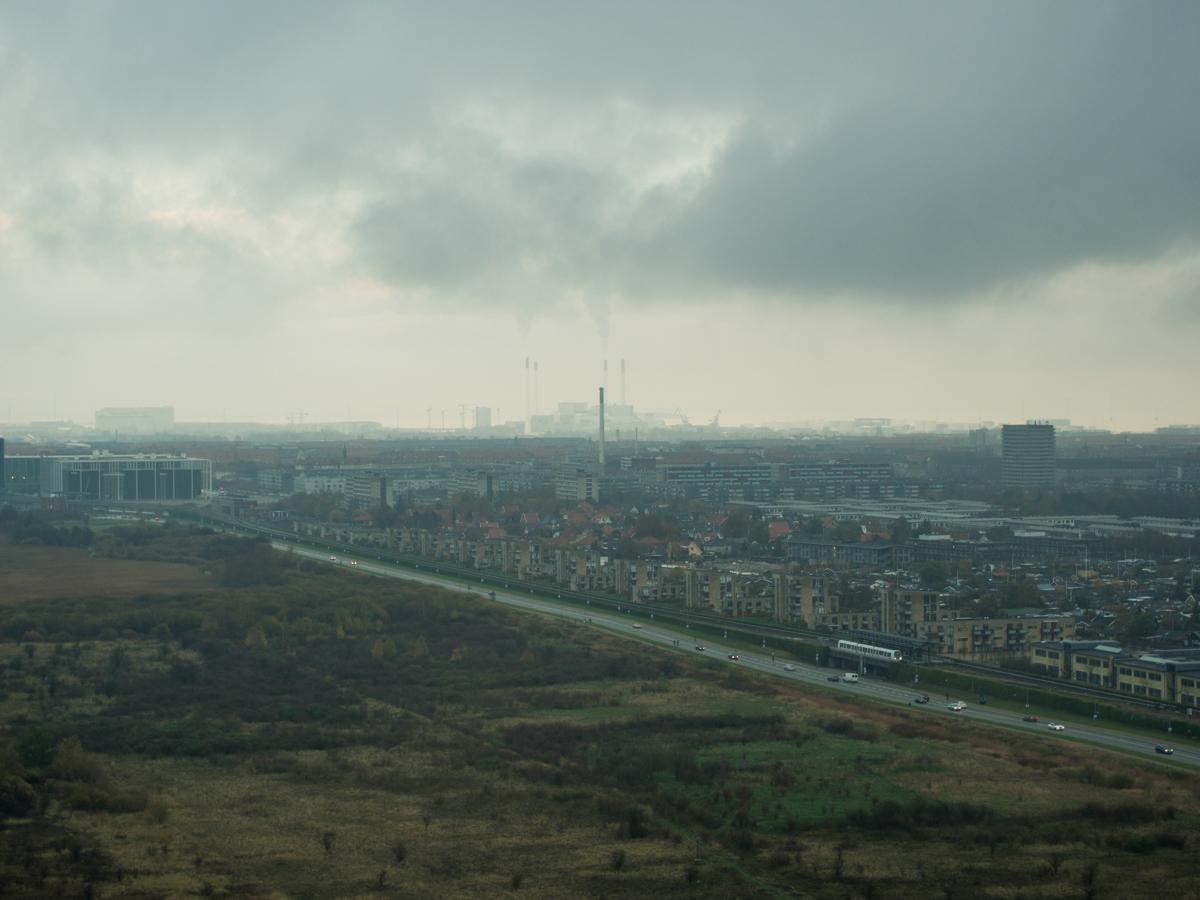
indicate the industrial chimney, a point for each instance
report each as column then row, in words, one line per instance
column 601, row 431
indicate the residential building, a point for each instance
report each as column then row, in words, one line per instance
column 368, row 490
column 1027, row 455
column 1089, row 662
column 853, row 553
column 577, row 485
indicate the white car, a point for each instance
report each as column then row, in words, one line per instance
column 333, row 557
column 956, row 706
column 788, row 667
column 636, row 625
column 1054, row 726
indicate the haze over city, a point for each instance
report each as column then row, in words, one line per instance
column 783, row 212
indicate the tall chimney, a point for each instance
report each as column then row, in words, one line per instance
column 535, row 388
column 602, row 428
column 622, row 382
column 528, row 421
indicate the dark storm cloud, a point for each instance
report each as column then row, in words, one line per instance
column 910, row 151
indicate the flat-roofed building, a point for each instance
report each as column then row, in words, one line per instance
column 1089, row 662
column 140, row 477
column 1027, row 455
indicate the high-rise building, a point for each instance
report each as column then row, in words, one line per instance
column 483, row 417
column 1027, row 455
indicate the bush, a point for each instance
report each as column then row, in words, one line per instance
column 36, row 748
column 17, row 798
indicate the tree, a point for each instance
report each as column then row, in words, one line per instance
column 901, row 531
column 650, row 525
column 1142, row 625
column 934, row 573
column 847, row 531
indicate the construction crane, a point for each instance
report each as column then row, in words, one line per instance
column 682, row 417
column 716, row 422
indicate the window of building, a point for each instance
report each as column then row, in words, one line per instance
column 1106, row 664
column 1187, row 699
column 1081, row 676
column 1125, row 671
column 1155, row 676
column 1053, row 655
column 1155, row 692
column 1138, row 673
column 1081, row 660
column 1039, row 652
column 1139, row 689
column 1187, row 682
column 1126, row 687
column 1094, row 662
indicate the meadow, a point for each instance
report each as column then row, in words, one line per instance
column 302, row 731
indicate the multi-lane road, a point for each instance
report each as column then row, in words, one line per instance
column 876, row 690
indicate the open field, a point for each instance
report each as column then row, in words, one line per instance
column 312, row 734
column 38, row 573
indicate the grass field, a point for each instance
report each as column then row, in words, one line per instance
column 317, row 735
column 39, row 573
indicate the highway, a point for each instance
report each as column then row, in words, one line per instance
column 876, row 690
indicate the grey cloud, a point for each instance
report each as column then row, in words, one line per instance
column 915, row 151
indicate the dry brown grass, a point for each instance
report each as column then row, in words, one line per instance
column 40, row 573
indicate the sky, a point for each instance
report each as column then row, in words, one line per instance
column 782, row 211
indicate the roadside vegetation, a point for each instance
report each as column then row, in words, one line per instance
column 304, row 731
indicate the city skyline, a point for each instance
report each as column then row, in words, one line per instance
column 785, row 214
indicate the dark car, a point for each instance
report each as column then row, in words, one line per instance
column 1031, row 718
column 921, row 699
column 701, row 649
column 833, row 677
column 733, row 656
column 1161, row 748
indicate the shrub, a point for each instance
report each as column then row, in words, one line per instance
column 36, row 748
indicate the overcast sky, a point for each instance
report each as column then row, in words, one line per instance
column 782, row 211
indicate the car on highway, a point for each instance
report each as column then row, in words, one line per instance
column 1031, row 718
column 636, row 625
column 788, row 667
column 733, row 656
column 333, row 558
column 701, row 649
column 354, row 562
column 921, row 699
column 956, row 706
column 1054, row 726
column 1162, row 748
column 833, row 677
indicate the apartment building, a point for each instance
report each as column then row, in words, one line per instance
column 980, row 639
column 801, row 598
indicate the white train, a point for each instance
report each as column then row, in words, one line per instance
column 870, row 651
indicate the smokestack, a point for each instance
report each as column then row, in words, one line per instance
column 622, row 382
column 528, row 421
column 535, row 388
column 602, row 427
